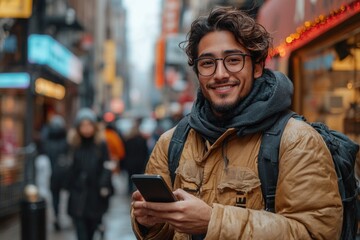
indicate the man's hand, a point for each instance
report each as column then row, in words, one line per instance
column 104, row 192
column 140, row 212
column 188, row 215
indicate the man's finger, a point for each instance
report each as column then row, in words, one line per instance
column 180, row 194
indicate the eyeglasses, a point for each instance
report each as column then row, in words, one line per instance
column 233, row 63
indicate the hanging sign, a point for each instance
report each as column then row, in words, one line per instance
column 44, row 50
column 15, row 8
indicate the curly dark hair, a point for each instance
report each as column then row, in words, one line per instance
column 246, row 30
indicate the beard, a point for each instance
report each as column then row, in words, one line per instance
column 225, row 108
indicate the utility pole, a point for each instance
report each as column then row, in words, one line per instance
column 35, row 24
column 98, row 54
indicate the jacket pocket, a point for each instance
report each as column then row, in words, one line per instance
column 239, row 187
column 190, row 176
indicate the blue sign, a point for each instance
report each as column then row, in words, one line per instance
column 322, row 62
column 14, row 80
column 44, row 50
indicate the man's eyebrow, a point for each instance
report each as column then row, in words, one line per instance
column 233, row 51
column 229, row 51
column 206, row 55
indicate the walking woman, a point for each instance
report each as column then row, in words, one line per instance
column 90, row 176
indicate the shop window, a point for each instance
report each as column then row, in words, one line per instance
column 14, row 46
column 11, row 139
column 331, row 86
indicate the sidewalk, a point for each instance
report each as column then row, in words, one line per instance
column 116, row 220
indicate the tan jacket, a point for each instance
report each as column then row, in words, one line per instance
column 307, row 203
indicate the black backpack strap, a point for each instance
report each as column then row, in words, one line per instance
column 176, row 146
column 268, row 163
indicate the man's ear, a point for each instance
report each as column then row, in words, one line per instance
column 258, row 69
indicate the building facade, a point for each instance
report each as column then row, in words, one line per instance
column 317, row 43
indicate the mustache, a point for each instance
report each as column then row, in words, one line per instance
column 221, row 82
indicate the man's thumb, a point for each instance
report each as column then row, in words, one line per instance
column 180, row 194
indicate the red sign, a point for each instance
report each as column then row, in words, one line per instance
column 171, row 16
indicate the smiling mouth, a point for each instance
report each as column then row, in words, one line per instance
column 221, row 88
column 224, row 86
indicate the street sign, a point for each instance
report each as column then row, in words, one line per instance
column 14, row 80
column 45, row 50
column 15, row 8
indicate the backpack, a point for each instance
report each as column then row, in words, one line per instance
column 343, row 151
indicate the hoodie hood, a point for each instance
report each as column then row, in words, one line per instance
column 270, row 95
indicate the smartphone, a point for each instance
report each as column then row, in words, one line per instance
column 153, row 188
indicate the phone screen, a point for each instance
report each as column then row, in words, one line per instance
column 153, row 188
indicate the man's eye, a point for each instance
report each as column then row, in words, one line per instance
column 206, row 63
column 233, row 60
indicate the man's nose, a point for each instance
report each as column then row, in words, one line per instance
column 221, row 71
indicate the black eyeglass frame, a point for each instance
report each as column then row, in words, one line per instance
column 223, row 62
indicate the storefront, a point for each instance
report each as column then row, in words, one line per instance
column 317, row 43
column 29, row 94
column 12, row 151
column 56, row 74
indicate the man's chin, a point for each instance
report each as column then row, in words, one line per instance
column 222, row 109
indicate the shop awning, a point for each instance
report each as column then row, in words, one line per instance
column 294, row 23
column 44, row 50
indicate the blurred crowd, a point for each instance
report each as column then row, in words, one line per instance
column 85, row 156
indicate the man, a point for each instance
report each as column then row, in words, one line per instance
column 238, row 99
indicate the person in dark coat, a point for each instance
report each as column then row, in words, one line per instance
column 137, row 153
column 90, row 175
column 55, row 146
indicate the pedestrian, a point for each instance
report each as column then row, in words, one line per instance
column 55, row 146
column 137, row 153
column 116, row 149
column 217, row 179
column 114, row 142
column 89, row 182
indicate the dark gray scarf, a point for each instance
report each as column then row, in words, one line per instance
column 270, row 95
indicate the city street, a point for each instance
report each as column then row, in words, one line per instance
column 265, row 104
column 116, row 220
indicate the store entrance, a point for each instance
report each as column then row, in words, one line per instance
column 329, row 76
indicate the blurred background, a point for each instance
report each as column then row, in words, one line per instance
column 122, row 59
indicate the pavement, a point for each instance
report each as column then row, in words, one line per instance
column 116, row 220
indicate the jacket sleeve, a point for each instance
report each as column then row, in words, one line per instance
column 307, row 202
column 157, row 164
column 115, row 145
column 105, row 171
